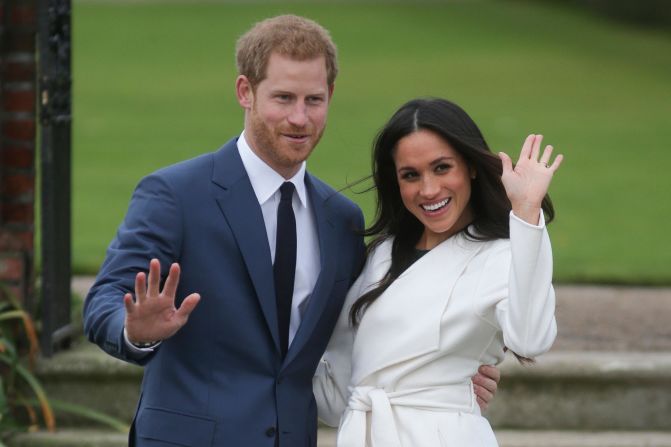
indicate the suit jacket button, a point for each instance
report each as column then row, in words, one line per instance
column 270, row 432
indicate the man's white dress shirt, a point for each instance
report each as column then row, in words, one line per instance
column 266, row 183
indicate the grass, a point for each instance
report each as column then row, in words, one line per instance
column 153, row 84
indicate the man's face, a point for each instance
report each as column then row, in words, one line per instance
column 286, row 114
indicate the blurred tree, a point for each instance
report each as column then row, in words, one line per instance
column 655, row 13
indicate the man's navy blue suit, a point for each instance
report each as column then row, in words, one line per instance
column 221, row 381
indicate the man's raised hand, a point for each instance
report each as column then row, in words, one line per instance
column 152, row 316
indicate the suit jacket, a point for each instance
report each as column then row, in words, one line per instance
column 410, row 361
column 221, row 380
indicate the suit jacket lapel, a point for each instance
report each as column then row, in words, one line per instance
column 242, row 211
column 327, row 251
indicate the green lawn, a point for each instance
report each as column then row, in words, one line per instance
column 153, row 84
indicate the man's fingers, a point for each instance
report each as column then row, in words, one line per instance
column 154, row 278
column 128, row 303
column 482, row 404
column 482, row 393
column 187, row 306
column 170, row 287
column 140, row 287
column 490, row 372
column 485, row 383
column 487, row 378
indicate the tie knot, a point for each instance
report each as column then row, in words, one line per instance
column 287, row 191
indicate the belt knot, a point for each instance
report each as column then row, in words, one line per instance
column 352, row 432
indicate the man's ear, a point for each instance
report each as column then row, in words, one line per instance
column 331, row 89
column 244, row 92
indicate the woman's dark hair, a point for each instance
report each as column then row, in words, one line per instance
column 489, row 203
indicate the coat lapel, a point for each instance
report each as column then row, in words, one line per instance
column 237, row 201
column 327, row 251
column 404, row 322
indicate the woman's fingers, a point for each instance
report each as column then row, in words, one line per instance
column 536, row 147
column 545, row 157
column 531, row 151
column 525, row 153
column 506, row 162
column 555, row 165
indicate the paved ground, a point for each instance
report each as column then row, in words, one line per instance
column 515, row 438
column 613, row 318
column 506, row 438
column 593, row 318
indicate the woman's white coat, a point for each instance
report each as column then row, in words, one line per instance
column 402, row 378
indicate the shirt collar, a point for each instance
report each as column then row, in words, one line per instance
column 264, row 179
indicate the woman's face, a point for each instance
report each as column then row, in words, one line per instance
column 435, row 185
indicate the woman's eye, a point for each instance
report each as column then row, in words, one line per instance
column 408, row 175
column 442, row 167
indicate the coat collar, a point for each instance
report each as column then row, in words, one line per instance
column 413, row 306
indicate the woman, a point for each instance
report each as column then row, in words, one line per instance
column 453, row 279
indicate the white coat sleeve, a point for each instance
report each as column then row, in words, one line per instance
column 527, row 315
column 331, row 381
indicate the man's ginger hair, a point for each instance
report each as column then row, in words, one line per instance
column 291, row 36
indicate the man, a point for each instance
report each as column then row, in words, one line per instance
column 262, row 252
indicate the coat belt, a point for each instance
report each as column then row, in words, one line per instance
column 353, row 430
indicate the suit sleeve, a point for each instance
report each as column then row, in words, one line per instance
column 152, row 228
column 526, row 316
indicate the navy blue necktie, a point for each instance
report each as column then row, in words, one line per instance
column 284, row 268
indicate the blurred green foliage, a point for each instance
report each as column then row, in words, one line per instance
column 18, row 384
column 647, row 13
column 154, row 84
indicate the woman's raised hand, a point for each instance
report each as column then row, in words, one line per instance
column 528, row 181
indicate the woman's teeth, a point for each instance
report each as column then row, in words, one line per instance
column 436, row 206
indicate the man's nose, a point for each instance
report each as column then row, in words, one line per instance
column 299, row 115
